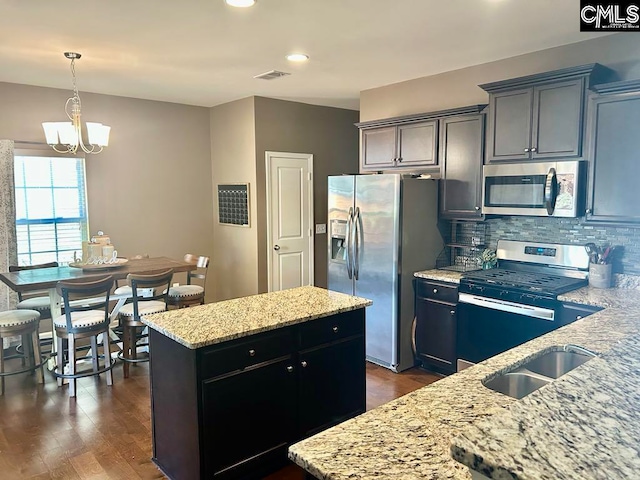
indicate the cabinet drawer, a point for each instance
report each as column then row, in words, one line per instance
column 244, row 353
column 329, row 329
column 437, row 291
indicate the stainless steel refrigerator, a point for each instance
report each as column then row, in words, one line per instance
column 382, row 229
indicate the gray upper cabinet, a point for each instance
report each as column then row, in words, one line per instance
column 408, row 143
column 614, row 146
column 379, row 148
column 540, row 116
column 402, row 146
column 461, row 157
column 510, row 125
column 417, row 144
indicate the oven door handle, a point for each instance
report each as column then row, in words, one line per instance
column 510, row 307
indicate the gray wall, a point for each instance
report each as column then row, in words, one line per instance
column 620, row 52
column 235, row 258
column 150, row 190
column 327, row 133
column 458, row 88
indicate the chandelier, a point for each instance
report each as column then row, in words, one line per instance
column 68, row 135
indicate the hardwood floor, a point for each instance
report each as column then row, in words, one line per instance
column 105, row 433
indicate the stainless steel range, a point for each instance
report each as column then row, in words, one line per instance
column 504, row 307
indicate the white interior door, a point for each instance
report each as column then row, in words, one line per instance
column 289, row 219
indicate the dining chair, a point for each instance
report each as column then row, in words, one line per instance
column 81, row 321
column 191, row 294
column 131, row 314
column 38, row 300
column 22, row 323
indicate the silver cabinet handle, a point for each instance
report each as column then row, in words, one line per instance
column 579, row 317
column 276, row 247
column 335, row 329
column 477, row 208
column 413, row 336
column 303, row 364
column 252, row 353
column 452, row 312
column 435, row 290
column 527, row 150
column 400, row 159
column 588, row 210
column 289, row 369
column 533, row 149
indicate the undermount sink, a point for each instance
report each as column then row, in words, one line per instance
column 556, row 364
column 516, row 384
column 537, row 372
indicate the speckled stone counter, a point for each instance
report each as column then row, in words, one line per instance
column 583, row 425
column 203, row 325
column 410, row 438
column 440, row 275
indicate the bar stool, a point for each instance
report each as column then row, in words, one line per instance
column 131, row 314
column 84, row 320
column 38, row 301
column 25, row 323
column 191, row 294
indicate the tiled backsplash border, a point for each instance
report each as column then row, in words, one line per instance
column 573, row 231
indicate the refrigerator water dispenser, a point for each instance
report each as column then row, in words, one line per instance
column 338, row 232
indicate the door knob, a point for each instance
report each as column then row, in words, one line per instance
column 276, row 247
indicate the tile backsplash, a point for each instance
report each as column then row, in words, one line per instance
column 570, row 230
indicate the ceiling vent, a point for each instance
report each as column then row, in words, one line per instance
column 271, row 75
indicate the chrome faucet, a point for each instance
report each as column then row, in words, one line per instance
column 570, row 347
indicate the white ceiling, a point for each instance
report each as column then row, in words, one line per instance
column 202, row 52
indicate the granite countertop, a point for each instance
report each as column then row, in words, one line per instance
column 410, row 437
column 203, row 325
column 440, row 275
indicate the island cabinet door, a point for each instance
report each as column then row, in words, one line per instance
column 248, row 415
column 332, row 384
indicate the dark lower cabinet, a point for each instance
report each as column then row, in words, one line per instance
column 246, row 415
column 571, row 312
column 435, row 326
column 332, row 385
column 231, row 410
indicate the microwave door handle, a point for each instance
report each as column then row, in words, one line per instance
column 551, row 191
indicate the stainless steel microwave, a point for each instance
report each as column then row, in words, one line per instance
column 553, row 189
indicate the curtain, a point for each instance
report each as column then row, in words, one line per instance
column 8, row 243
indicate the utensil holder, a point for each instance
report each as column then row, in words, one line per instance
column 600, row 275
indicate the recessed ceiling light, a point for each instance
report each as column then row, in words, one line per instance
column 297, row 57
column 240, row 3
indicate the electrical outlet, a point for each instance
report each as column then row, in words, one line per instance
column 321, row 228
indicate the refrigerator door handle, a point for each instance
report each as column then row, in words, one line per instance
column 358, row 242
column 348, row 240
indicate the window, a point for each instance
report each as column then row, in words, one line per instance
column 51, row 208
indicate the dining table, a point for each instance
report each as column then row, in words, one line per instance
column 46, row 279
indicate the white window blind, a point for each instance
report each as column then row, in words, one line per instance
column 51, row 208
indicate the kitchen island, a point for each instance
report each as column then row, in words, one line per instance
column 234, row 383
column 410, row 438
